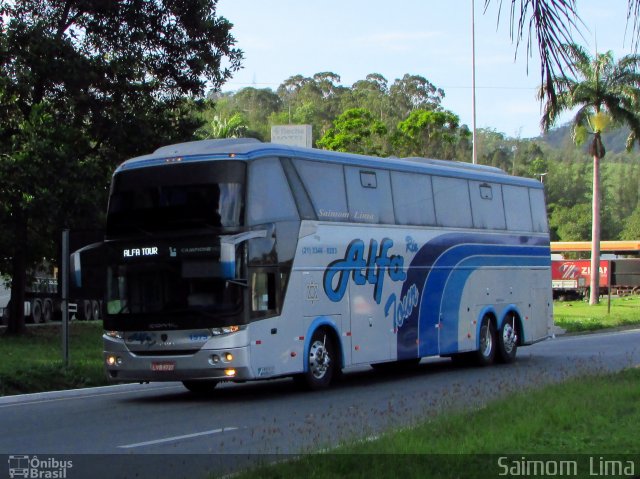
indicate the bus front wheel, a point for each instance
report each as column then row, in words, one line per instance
column 321, row 362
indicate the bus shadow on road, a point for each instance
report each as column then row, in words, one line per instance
column 350, row 381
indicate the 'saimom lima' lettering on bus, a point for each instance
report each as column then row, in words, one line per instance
column 240, row 260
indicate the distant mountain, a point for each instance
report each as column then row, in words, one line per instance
column 614, row 141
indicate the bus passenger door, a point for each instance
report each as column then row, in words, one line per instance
column 371, row 333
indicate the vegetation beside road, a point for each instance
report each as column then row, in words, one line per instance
column 33, row 363
column 578, row 316
column 585, row 417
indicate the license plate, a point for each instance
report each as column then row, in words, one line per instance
column 164, row 366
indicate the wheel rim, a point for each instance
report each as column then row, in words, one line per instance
column 509, row 338
column 486, row 341
column 319, row 359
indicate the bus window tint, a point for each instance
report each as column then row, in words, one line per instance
column 413, row 199
column 519, row 211
column 486, row 205
column 369, row 195
column 330, row 203
column 269, row 199
column 451, row 197
column 538, row 211
column 176, row 197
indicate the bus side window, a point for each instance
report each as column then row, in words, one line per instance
column 324, row 183
column 538, row 211
column 270, row 199
column 451, row 196
column 369, row 195
column 486, row 205
column 413, row 199
column 518, row 209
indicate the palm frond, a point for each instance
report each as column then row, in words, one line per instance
column 551, row 23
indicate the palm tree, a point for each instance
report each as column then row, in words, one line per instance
column 549, row 24
column 218, row 127
column 602, row 91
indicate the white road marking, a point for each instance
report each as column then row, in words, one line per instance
column 178, row 438
column 20, row 400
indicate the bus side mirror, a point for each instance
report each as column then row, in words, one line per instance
column 86, row 271
column 228, row 250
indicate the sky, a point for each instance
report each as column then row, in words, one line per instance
column 430, row 38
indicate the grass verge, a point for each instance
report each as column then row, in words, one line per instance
column 589, row 420
column 577, row 316
column 33, row 362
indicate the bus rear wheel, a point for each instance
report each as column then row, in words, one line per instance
column 321, row 362
column 201, row 388
column 508, row 340
column 487, row 351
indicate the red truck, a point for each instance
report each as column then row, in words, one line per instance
column 570, row 278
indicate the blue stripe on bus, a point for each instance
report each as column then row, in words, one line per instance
column 454, row 287
column 430, row 269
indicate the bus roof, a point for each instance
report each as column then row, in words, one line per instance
column 250, row 148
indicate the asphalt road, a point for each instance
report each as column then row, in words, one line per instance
column 160, row 430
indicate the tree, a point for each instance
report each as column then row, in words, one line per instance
column 83, row 85
column 355, row 131
column 234, row 127
column 631, row 230
column 603, row 91
column 432, row 133
column 413, row 92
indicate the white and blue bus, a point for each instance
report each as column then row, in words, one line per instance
column 236, row 260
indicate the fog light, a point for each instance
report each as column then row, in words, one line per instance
column 228, row 357
column 230, row 372
column 113, row 361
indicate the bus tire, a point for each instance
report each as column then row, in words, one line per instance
column 200, row 387
column 87, row 311
column 36, row 311
column 47, row 311
column 508, row 340
column 95, row 310
column 321, row 362
column 487, row 342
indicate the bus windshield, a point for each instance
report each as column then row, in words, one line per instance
column 189, row 290
column 176, row 197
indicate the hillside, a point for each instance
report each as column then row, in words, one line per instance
column 614, row 140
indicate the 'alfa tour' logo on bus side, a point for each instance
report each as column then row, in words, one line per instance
column 364, row 269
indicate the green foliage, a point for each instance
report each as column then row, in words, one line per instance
column 83, row 86
column 542, row 422
column 234, row 127
column 431, row 133
column 355, row 131
column 571, row 224
column 577, row 316
column 33, row 362
column 631, row 230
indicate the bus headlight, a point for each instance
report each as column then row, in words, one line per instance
column 114, row 334
column 226, row 330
